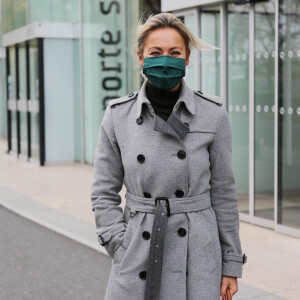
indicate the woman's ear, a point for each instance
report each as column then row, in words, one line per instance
column 141, row 59
column 187, row 60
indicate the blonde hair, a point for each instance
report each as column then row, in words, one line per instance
column 164, row 20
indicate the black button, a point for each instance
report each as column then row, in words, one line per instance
column 113, row 106
column 179, row 193
column 244, row 258
column 181, row 232
column 139, row 120
column 131, row 94
column 147, row 195
column 187, row 272
column 181, row 154
column 146, row 235
column 187, row 124
column 141, row 158
column 143, row 275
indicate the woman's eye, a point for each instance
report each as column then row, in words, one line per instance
column 175, row 53
column 154, row 53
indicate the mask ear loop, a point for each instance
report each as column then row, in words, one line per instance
column 142, row 73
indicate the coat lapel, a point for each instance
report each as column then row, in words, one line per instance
column 177, row 123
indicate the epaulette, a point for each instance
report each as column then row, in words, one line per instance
column 124, row 99
column 213, row 98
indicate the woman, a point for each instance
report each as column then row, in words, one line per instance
column 178, row 237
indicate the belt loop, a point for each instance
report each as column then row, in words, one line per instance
column 167, row 203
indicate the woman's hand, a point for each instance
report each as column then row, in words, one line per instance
column 231, row 282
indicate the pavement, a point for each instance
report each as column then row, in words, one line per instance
column 58, row 197
column 38, row 263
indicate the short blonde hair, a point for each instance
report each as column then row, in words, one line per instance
column 164, row 20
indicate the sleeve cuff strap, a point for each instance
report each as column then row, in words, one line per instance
column 105, row 237
column 235, row 257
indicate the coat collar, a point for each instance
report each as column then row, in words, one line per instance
column 186, row 96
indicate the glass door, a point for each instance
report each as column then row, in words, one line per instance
column 238, row 97
column 22, row 100
column 25, row 100
column 11, row 100
column 264, row 109
column 289, row 114
column 33, row 100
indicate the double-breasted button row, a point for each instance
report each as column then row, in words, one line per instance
column 146, row 235
column 139, row 120
column 181, row 232
column 179, row 193
column 147, row 195
column 181, row 154
column 141, row 158
column 143, row 275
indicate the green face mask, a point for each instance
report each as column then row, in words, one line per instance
column 164, row 71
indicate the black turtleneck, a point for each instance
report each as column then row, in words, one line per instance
column 162, row 101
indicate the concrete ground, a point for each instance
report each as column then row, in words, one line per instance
column 58, row 197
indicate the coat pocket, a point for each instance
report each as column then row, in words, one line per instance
column 131, row 217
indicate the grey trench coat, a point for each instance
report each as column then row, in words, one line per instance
column 189, row 157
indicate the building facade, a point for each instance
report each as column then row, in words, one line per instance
column 257, row 72
column 62, row 61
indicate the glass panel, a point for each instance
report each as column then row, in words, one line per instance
column 190, row 76
column 23, row 97
column 210, row 59
column 34, row 94
column 289, row 114
column 238, row 91
column 12, row 95
column 14, row 14
column 53, row 11
column 264, row 110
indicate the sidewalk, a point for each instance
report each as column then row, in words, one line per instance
column 58, row 197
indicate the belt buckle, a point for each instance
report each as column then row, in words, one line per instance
column 167, row 202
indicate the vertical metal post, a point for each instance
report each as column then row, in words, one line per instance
column 197, row 56
column 17, row 100
column 41, row 100
column 81, row 55
column 223, row 54
column 251, row 111
column 278, row 121
column 8, row 95
column 28, row 96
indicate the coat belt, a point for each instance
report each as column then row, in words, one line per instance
column 162, row 207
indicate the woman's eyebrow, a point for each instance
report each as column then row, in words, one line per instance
column 154, row 47
column 158, row 48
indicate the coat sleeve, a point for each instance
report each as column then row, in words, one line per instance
column 224, row 197
column 106, row 185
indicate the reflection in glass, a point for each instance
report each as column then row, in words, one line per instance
column 289, row 114
column 238, row 97
column 210, row 59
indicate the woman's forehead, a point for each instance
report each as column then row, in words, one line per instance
column 164, row 37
